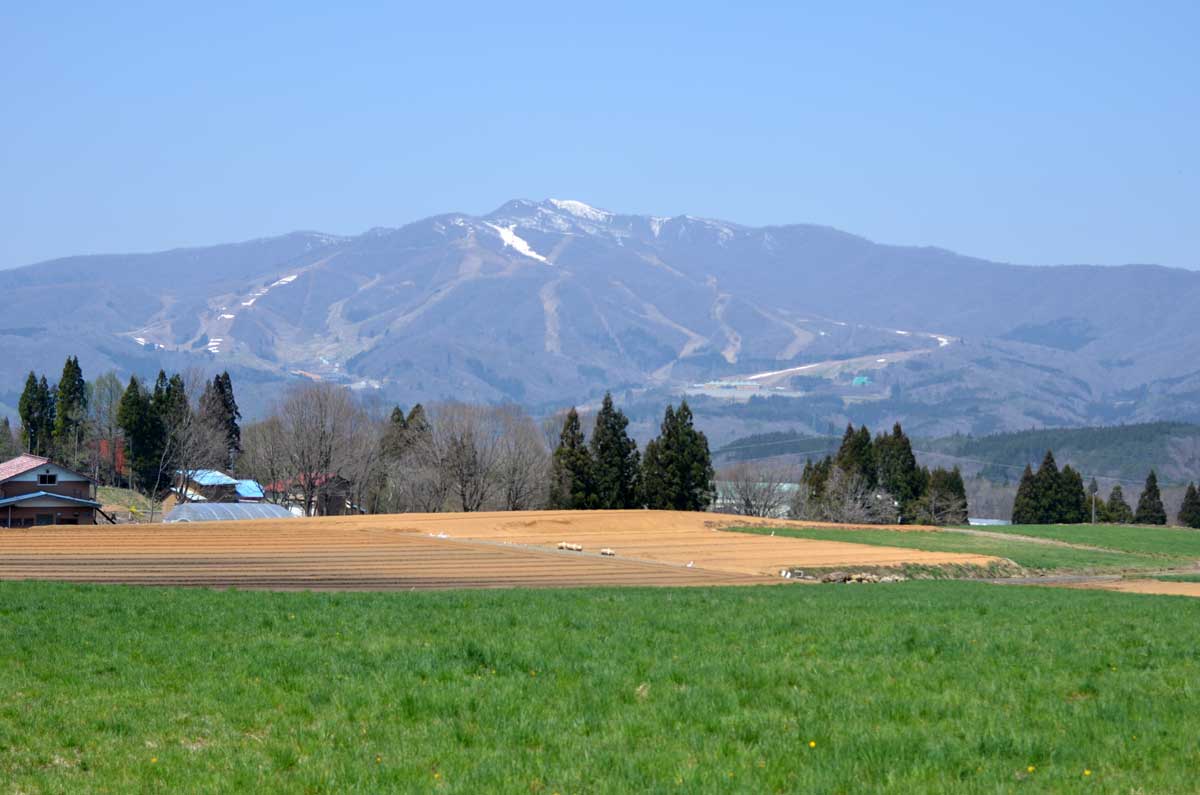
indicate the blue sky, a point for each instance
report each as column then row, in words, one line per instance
column 1020, row 132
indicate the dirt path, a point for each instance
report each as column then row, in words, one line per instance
column 1049, row 542
column 1162, row 587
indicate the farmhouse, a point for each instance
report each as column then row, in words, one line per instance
column 36, row 491
column 332, row 497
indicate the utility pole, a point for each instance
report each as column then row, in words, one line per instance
column 1093, row 488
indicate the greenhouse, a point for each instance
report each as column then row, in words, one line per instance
column 227, row 512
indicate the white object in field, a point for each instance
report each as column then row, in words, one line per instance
column 608, row 553
column 691, row 563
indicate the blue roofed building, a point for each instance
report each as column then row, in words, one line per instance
column 211, row 485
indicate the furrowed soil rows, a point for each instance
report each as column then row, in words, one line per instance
column 409, row 551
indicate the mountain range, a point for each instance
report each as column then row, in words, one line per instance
column 550, row 303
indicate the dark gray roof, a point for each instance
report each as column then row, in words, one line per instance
column 39, row 495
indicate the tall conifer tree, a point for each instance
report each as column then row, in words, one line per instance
column 8, row 444
column 1072, row 500
column 856, row 456
column 1025, row 509
column 70, row 412
column 898, row 470
column 615, row 459
column 1116, row 510
column 144, row 432
column 1189, row 512
column 677, row 471
column 571, row 468
column 219, row 411
column 394, row 442
column 1046, row 491
column 30, row 409
column 1150, row 508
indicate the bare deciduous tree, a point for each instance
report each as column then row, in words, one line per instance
column 846, row 499
column 940, row 507
column 319, row 423
column 756, row 488
column 524, row 461
column 417, row 482
column 265, row 457
column 469, row 441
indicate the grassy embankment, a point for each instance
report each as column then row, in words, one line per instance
column 946, row 687
column 127, row 501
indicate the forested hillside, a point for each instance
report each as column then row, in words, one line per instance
column 1121, row 452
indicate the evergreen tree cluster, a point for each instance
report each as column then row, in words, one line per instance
column 403, row 433
column 1053, row 496
column 162, row 433
column 881, row 474
column 607, row 472
column 54, row 417
column 84, row 425
column 37, row 409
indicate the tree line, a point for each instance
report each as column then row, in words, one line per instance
column 318, row 441
column 1054, row 496
column 133, row 435
column 877, row 480
column 321, row 448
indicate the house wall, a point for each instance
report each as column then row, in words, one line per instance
column 28, row 516
column 79, row 489
column 69, row 483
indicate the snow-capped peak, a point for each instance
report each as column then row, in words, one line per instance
column 581, row 210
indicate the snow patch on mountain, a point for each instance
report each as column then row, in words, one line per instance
column 512, row 240
column 581, row 210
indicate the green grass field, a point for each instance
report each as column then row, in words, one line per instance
column 1175, row 542
column 929, row 687
column 1028, row 554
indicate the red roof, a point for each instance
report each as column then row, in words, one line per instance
column 20, row 465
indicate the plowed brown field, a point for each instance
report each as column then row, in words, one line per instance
column 1162, row 587
column 406, row 551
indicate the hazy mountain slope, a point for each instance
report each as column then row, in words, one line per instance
column 553, row 302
